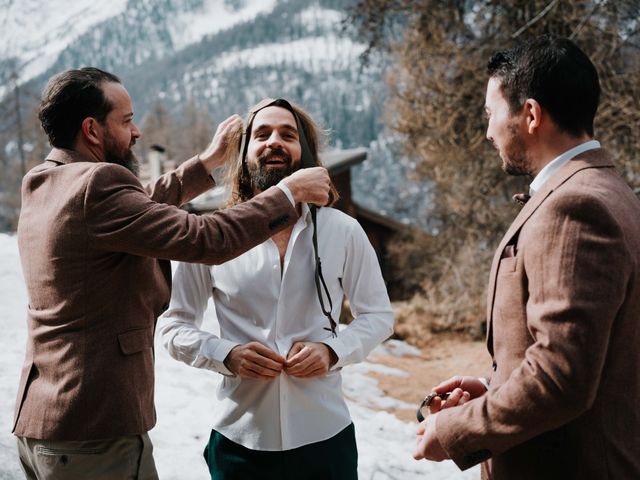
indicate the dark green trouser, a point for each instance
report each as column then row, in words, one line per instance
column 332, row 459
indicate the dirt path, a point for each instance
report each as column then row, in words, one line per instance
column 446, row 356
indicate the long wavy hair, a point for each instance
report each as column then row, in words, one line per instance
column 312, row 138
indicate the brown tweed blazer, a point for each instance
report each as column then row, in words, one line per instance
column 95, row 249
column 564, row 332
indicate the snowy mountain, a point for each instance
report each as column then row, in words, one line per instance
column 174, row 49
column 221, row 56
column 36, row 33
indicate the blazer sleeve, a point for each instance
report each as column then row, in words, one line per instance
column 120, row 216
column 577, row 268
column 181, row 185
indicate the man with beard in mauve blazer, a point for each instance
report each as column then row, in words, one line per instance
column 564, row 291
column 95, row 249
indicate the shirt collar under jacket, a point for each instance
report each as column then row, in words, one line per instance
column 550, row 168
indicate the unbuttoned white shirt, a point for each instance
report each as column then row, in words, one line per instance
column 554, row 165
column 257, row 300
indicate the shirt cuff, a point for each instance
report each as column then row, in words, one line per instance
column 335, row 344
column 286, row 191
column 218, row 351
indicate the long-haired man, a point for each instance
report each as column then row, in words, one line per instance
column 281, row 412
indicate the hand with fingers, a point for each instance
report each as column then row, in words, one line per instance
column 427, row 444
column 254, row 360
column 309, row 359
column 460, row 390
column 225, row 144
column 453, row 392
column 310, row 185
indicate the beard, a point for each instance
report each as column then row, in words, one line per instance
column 264, row 177
column 113, row 153
column 515, row 160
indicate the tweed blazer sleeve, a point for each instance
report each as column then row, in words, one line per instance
column 121, row 216
column 181, row 185
column 558, row 297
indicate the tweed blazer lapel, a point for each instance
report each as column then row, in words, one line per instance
column 598, row 158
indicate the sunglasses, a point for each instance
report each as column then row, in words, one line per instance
column 428, row 400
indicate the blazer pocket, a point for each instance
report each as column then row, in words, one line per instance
column 135, row 341
column 507, row 265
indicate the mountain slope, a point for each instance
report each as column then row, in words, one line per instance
column 37, row 34
column 223, row 56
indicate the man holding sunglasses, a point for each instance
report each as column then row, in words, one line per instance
column 563, row 307
column 282, row 413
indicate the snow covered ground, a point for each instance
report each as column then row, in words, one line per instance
column 184, row 398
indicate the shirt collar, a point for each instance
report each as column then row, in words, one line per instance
column 550, row 168
column 305, row 213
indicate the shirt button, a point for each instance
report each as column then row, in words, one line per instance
column 494, row 366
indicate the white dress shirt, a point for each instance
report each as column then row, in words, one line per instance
column 256, row 300
column 554, row 165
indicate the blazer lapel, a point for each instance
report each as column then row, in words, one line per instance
column 598, row 158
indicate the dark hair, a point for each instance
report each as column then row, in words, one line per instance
column 554, row 72
column 69, row 98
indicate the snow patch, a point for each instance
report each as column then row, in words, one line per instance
column 396, row 348
column 190, row 27
column 315, row 16
column 322, row 53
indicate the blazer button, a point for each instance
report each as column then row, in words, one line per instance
column 494, row 366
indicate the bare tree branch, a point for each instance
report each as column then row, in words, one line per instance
column 595, row 8
column 538, row 17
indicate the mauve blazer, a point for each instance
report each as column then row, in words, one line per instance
column 95, row 249
column 564, row 333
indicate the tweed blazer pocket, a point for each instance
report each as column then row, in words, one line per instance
column 511, row 335
column 510, row 294
column 135, row 341
column 507, row 265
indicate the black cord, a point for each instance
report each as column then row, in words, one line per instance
column 319, row 278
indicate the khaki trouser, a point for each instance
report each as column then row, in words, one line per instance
column 115, row 459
